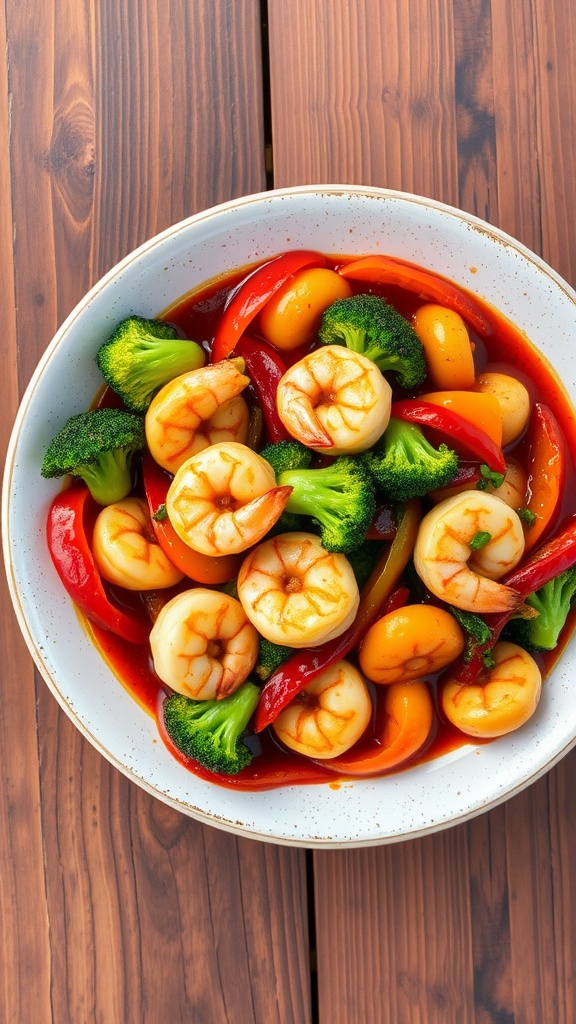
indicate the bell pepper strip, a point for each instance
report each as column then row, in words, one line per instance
column 477, row 407
column 198, row 567
column 265, row 368
column 551, row 559
column 404, row 721
column 303, row 666
column 386, row 270
column 254, row 292
column 67, row 532
column 546, row 471
column 457, row 429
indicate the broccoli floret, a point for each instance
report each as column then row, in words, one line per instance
column 211, row 731
column 98, row 447
column 405, row 465
column 141, row 356
column 552, row 603
column 340, row 498
column 270, row 657
column 286, row 455
column 477, row 636
column 371, row 326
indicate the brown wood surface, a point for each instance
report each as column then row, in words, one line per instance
column 117, row 119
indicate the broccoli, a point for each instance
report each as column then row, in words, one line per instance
column 340, row 497
column 142, row 355
column 371, row 326
column 287, row 455
column 270, row 657
column 211, row 731
column 477, row 636
column 98, row 447
column 552, row 602
column 405, row 465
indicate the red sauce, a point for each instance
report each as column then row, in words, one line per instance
column 196, row 316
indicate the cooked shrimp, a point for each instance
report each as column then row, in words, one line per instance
column 125, row 550
column 503, row 698
column 224, row 499
column 335, row 400
column 513, row 398
column 413, row 641
column 197, row 409
column 329, row 715
column 464, row 545
column 295, row 592
column 203, row 644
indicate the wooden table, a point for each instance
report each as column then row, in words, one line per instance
column 118, row 118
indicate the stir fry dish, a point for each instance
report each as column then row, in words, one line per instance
column 321, row 520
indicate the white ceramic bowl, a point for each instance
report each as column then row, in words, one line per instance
column 333, row 219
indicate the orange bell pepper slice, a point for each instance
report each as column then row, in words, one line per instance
column 404, row 721
column 481, row 409
column 387, row 270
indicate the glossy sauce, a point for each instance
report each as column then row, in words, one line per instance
column 196, row 317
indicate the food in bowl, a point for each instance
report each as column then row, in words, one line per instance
column 341, row 555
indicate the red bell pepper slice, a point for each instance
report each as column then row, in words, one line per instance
column 546, row 471
column 301, row 668
column 198, row 567
column 455, row 427
column 70, row 551
column 265, row 369
column 551, row 559
column 254, row 293
column 387, row 270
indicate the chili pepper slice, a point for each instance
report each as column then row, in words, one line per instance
column 546, row 563
column 254, row 293
column 387, row 270
column 73, row 561
column 301, row 668
column 454, row 426
column 546, row 471
column 198, row 567
column 404, row 720
column 265, row 369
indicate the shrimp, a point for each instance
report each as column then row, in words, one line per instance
column 464, row 545
column 197, row 409
column 203, row 645
column 503, row 698
column 335, row 400
column 125, row 550
column 224, row 499
column 295, row 592
column 329, row 715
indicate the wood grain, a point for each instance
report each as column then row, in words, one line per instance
column 118, row 120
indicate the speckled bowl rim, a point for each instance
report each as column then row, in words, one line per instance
column 276, row 815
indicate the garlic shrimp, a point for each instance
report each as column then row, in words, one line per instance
column 334, row 400
column 195, row 410
column 224, row 499
column 203, row 644
column 502, row 698
column 464, row 545
column 329, row 715
column 125, row 549
column 295, row 592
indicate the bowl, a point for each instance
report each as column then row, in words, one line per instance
column 333, row 219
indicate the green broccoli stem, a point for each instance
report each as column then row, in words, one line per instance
column 109, row 479
column 165, row 359
column 315, row 491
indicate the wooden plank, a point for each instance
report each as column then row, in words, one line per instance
column 363, row 93
column 124, row 119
